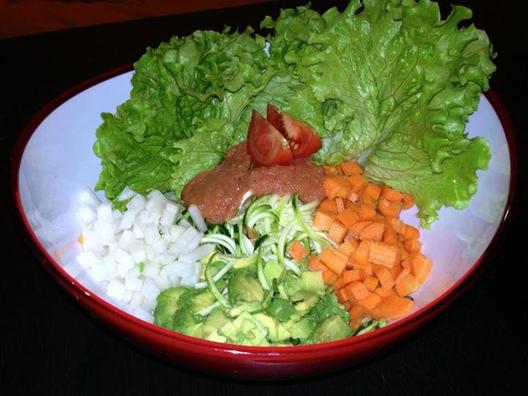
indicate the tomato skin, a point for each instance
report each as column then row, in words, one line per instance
column 303, row 139
column 265, row 144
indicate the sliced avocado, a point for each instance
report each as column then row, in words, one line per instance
column 214, row 336
column 276, row 331
column 312, row 281
column 272, row 270
column 302, row 329
column 280, row 309
column 245, row 262
column 244, row 287
column 186, row 323
column 245, row 330
column 196, row 300
column 214, row 321
column 307, row 304
column 167, row 304
column 332, row 328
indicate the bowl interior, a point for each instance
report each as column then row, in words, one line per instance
column 58, row 163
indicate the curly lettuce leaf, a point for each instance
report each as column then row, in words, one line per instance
column 395, row 85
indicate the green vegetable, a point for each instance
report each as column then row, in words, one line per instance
column 394, row 85
column 391, row 84
column 253, row 299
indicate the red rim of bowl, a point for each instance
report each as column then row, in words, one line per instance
column 240, row 351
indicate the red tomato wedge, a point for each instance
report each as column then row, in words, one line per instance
column 265, row 144
column 303, row 139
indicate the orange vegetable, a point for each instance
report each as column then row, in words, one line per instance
column 393, row 307
column 337, row 232
column 357, row 314
column 409, row 232
column 357, row 182
column 371, row 283
column 366, row 212
column 348, row 217
column 341, row 295
column 328, row 205
column 413, row 245
column 356, row 291
column 329, row 277
column 406, row 285
column 407, row 201
column 336, row 186
column 330, row 170
column 360, row 256
column 385, row 291
column 370, row 302
column 373, row 232
column 421, row 267
column 389, row 208
column 340, row 205
column 348, row 247
column 323, row 219
column 389, row 235
column 298, row 251
column 334, row 260
column 391, row 194
column 358, row 226
column 314, row 264
column 384, row 275
column 352, row 275
column 383, row 254
column 350, row 168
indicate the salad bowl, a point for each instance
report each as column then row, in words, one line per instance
column 53, row 162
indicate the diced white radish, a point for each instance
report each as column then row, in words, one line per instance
column 115, row 289
column 127, row 193
column 133, row 283
column 187, row 241
column 137, row 203
column 170, row 214
column 175, row 232
column 150, row 290
column 127, row 220
column 87, row 259
column 105, row 230
column 137, row 231
column 152, row 234
column 137, row 300
column 91, row 241
column 88, row 197
column 104, row 212
column 197, row 217
column 143, row 315
column 86, row 214
column 156, row 201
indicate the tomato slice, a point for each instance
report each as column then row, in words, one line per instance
column 265, row 144
column 303, row 139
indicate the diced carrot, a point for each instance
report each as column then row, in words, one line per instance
column 406, row 285
column 421, row 267
column 336, row 186
column 357, row 182
column 348, row 217
column 366, row 268
column 352, row 275
column 360, row 256
column 329, row 277
column 353, row 197
column 404, row 253
column 366, row 212
column 339, row 283
column 370, row 302
column 334, row 260
column 413, row 245
column 396, row 224
column 406, row 263
column 389, row 208
column 337, row 231
column 350, row 168
column 372, row 191
column 410, row 232
column 356, row 291
column 383, row 254
column 347, row 305
column 371, row 283
column 348, row 246
column 358, row 226
column 314, row 264
column 328, row 205
column 372, row 232
column 391, row 194
column 385, row 291
column 407, row 201
column 340, row 204
column 298, row 251
column 384, row 275
column 341, row 295
column 393, row 307
column 402, row 273
column 330, row 170
column 323, row 219
column 389, row 235
column 357, row 314
column 395, row 270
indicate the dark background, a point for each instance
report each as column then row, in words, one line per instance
column 49, row 345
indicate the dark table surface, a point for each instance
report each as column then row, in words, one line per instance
column 49, row 345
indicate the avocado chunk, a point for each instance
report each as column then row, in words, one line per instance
column 244, row 287
column 276, row 331
column 332, row 328
column 245, row 330
column 280, row 309
column 167, row 305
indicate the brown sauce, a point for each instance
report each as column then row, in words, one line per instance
column 218, row 193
